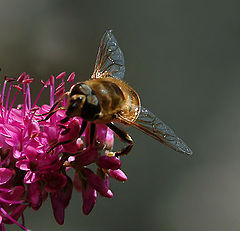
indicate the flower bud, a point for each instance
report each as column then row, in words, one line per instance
column 60, row 201
column 87, row 157
column 109, row 162
column 89, row 197
column 34, row 195
column 97, row 183
column 117, row 174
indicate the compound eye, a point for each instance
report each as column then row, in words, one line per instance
column 80, row 89
column 85, row 89
column 92, row 99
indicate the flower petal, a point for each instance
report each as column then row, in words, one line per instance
column 101, row 132
column 34, row 195
column 60, row 201
column 23, row 165
column 58, row 208
column 117, row 174
column 89, row 197
column 97, row 183
column 31, row 177
column 87, row 157
column 109, row 162
column 5, row 175
column 54, row 181
column 77, row 183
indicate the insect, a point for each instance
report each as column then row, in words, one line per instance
column 105, row 98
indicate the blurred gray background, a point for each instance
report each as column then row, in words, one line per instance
column 183, row 58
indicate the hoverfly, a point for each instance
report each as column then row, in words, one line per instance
column 105, row 98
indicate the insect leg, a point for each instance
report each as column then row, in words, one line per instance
column 65, row 120
column 124, row 137
column 82, row 129
column 92, row 132
column 52, row 111
column 49, row 114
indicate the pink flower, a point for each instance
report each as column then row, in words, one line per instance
column 89, row 197
column 36, row 153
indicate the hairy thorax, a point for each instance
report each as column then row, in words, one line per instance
column 102, row 100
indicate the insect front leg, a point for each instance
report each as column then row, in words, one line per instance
column 82, row 129
column 124, row 137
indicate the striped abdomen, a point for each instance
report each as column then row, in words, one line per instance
column 114, row 97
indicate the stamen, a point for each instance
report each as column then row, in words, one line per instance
column 29, row 95
column 13, row 220
column 21, row 140
column 61, row 75
column 23, row 220
column 63, row 102
column 3, row 90
column 24, row 100
column 10, row 202
column 21, row 77
column 2, row 96
column 3, row 227
column 60, row 91
column 31, row 161
column 26, row 81
column 11, row 105
column 7, row 100
column 28, row 124
column 52, row 87
column 71, row 78
column 60, row 87
column 52, row 90
column 36, row 100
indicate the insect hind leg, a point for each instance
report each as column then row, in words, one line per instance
column 124, row 137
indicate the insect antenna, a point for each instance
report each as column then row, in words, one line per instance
column 52, row 111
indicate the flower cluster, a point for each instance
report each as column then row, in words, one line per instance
column 38, row 157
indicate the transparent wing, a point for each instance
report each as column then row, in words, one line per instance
column 110, row 58
column 155, row 127
column 148, row 123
